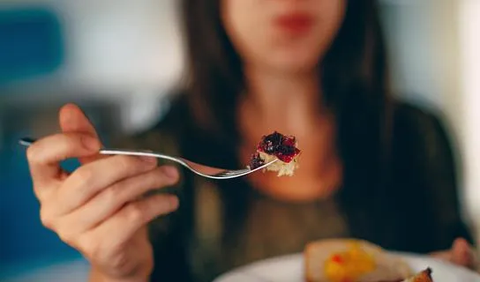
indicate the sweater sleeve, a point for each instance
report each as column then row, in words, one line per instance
column 428, row 170
column 442, row 181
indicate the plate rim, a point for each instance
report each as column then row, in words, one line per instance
column 243, row 270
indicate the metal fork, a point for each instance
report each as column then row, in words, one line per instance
column 199, row 169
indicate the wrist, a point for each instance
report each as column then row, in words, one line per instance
column 97, row 276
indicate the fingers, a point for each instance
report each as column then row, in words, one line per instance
column 98, row 209
column 461, row 253
column 72, row 119
column 113, row 198
column 45, row 154
column 90, row 179
column 131, row 218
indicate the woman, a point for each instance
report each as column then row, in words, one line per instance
column 313, row 69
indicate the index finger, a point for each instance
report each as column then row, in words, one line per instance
column 44, row 156
column 73, row 119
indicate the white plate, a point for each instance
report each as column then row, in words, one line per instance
column 290, row 269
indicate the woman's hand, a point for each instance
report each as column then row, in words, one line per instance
column 98, row 208
column 461, row 253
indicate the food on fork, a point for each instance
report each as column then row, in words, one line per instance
column 277, row 146
column 351, row 260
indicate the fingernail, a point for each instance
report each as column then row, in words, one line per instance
column 170, row 172
column 91, row 143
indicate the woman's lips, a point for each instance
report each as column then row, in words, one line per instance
column 294, row 23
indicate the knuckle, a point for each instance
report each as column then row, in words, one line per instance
column 46, row 219
column 67, row 237
column 134, row 212
column 112, row 194
column 124, row 163
column 68, row 145
column 88, row 246
column 72, row 137
column 85, row 174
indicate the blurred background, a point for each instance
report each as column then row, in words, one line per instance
column 120, row 59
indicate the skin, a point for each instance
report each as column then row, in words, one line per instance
column 89, row 205
column 278, row 63
column 85, row 207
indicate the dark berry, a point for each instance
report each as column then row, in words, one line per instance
column 256, row 161
column 283, row 147
column 271, row 142
column 289, row 140
column 286, row 150
column 285, row 153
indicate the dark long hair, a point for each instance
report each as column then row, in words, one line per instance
column 354, row 80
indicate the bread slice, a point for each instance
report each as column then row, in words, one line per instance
column 387, row 267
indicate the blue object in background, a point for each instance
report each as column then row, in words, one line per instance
column 31, row 43
column 25, row 244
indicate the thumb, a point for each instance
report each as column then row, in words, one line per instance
column 72, row 119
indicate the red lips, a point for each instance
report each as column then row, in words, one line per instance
column 296, row 23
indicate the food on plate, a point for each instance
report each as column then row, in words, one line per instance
column 424, row 276
column 277, row 146
column 352, row 260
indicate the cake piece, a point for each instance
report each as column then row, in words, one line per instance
column 277, row 146
column 352, row 260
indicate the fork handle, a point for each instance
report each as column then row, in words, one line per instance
column 140, row 153
column 27, row 141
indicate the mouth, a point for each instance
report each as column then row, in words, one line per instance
column 294, row 23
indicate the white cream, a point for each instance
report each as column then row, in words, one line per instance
column 281, row 167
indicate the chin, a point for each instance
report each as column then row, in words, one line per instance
column 299, row 60
column 283, row 60
column 295, row 66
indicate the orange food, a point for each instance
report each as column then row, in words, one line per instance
column 348, row 266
